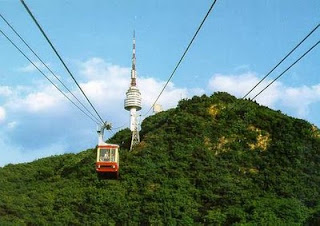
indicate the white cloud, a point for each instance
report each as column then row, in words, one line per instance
column 5, row 91
column 51, row 121
column 37, row 101
column 12, row 125
column 108, row 83
column 150, row 89
column 238, row 85
column 96, row 69
column 54, row 126
column 300, row 98
column 2, row 114
column 242, row 68
column 197, row 91
column 31, row 68
column 297, row 98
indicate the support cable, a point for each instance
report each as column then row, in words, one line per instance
column 46, row 76
column 183, row 55
column 61, row 60
column 303, row 55
column 283, row 59
column 37, row 56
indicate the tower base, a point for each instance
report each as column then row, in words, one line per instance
column 135, row 139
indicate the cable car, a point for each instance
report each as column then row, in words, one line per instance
column 107, row 163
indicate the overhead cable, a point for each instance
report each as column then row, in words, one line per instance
column 183, row 55
column 37, row 56
column 61, row 60
column 313, row 30
column 46, row 76
column 303, row 55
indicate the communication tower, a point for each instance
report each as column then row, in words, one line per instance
column 132, row 102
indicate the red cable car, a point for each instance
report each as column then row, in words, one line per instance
column 107, row 155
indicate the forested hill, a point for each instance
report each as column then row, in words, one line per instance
column 211, row 161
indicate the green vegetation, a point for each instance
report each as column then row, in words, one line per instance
column 210, row 161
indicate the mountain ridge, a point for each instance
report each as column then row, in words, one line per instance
column 211, row 160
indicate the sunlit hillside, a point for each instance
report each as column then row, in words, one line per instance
column 211, row 161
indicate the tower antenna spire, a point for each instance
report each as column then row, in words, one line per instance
column 133, row 69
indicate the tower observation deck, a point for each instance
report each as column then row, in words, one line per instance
column 132, row 102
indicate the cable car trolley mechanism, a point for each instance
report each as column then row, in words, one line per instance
column 107, row 155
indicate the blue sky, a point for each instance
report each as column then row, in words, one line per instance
column 239, row 43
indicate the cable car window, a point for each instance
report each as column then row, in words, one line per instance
column 107, row 155
column 112, row 155
column 104, row 155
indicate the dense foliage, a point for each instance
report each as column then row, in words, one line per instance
column 212, row 160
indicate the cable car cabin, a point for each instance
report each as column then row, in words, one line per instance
column 107, row 164
column 108, row 159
